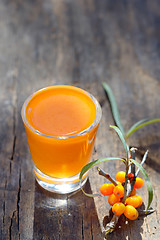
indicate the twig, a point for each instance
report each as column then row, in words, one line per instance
column 145, row 212
column 106, row 175
column 133, row 156
column 129, row 153
column 126, row 180
column 110, row 227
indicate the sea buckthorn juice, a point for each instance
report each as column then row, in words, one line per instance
column 61, row 123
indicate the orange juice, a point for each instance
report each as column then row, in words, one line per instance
column 60, row 111
column 61, row 124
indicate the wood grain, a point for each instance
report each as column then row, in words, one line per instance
column 82, row 43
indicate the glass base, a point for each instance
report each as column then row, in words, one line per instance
column 59, row 185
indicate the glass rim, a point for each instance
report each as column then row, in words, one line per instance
column 83, row 132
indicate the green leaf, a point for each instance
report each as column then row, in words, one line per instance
column 149, row 185
column 92, row 164
column 142, row 123
column 114, row 107
column 120, row 134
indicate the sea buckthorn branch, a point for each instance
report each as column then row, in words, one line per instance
column 133, row 180
column 122, row 196
column 126, row 180
column 133, row 156
column 107, row 176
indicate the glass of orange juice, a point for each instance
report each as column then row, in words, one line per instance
column 61, row 123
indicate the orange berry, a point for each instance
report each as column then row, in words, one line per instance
column 119, row 191
column 138, row 183
column 133, row 192
column 130, row 176
column 120, row 176
column 140, row 200
column 107, row 189
column 112, row 199
column 134, row 201
column 118, row 208
column 130, row 212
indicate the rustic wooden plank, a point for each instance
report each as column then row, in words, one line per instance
column 81, row 43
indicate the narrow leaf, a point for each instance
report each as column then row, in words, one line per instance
column 142, row 162
column 114, row 107
column 92, row 164
column 121, row 138
column 140, row 124
column 148, row 182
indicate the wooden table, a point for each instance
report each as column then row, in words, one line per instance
column 83, row 43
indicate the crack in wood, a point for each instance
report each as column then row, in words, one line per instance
column 14, row 129
column 18, row 202
column 11, row 224
column 13, row 76
column 14, row 227
column 82, row 229
column 4, row 206
column 13, row 149
column 12, row 155
column 4, row 209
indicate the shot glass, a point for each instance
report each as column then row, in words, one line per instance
column 61, row 123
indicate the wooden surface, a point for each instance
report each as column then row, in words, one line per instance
column 83, row 43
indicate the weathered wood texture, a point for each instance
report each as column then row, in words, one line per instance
column 82, row 42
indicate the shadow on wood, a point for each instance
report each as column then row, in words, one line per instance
column 65, row 216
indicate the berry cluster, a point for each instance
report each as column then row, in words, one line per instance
column 115, row 195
